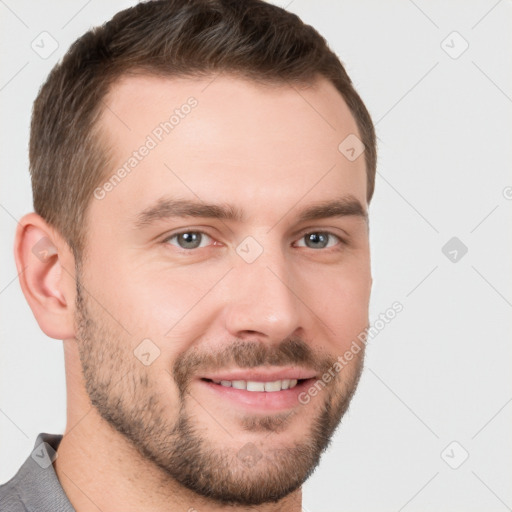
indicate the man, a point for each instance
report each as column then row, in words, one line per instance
column 201, row 175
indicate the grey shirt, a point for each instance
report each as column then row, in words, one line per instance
column 35, row 487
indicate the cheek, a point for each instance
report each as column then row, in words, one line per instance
column 340, row 300
column 157, row 301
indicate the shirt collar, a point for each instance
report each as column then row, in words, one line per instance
column 36, row 482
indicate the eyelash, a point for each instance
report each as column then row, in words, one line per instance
column 341, row 241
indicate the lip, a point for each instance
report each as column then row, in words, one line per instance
column 262, row 375
column 258, row 401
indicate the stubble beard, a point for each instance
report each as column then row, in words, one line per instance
column 120, row 389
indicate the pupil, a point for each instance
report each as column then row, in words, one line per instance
column 316, row 240
column 190, row 240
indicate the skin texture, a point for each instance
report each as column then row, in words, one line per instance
column 154, row 437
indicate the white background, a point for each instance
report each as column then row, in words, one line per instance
column 440, row 372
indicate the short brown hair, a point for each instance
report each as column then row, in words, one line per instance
column 193, row 38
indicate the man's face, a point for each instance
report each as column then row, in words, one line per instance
column 254, row 284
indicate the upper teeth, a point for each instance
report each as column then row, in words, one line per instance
column 251, row 385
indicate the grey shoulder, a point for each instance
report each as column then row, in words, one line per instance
column 10, row 500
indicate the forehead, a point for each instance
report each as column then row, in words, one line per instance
column 226, row 139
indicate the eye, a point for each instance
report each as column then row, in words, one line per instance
column 319, row 240
column 189, row 240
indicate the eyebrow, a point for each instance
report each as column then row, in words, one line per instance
column 168, row 208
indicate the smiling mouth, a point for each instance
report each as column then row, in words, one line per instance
column 258, row 392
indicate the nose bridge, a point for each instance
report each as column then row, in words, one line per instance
column 261, row 297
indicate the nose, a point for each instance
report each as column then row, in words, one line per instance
column 262, row 301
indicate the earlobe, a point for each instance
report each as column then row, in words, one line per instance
column 46, row 273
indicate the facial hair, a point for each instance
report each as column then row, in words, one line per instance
column 124, row 392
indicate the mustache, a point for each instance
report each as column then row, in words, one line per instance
column 246, row 354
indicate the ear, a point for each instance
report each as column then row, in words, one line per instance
column 46, row 269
